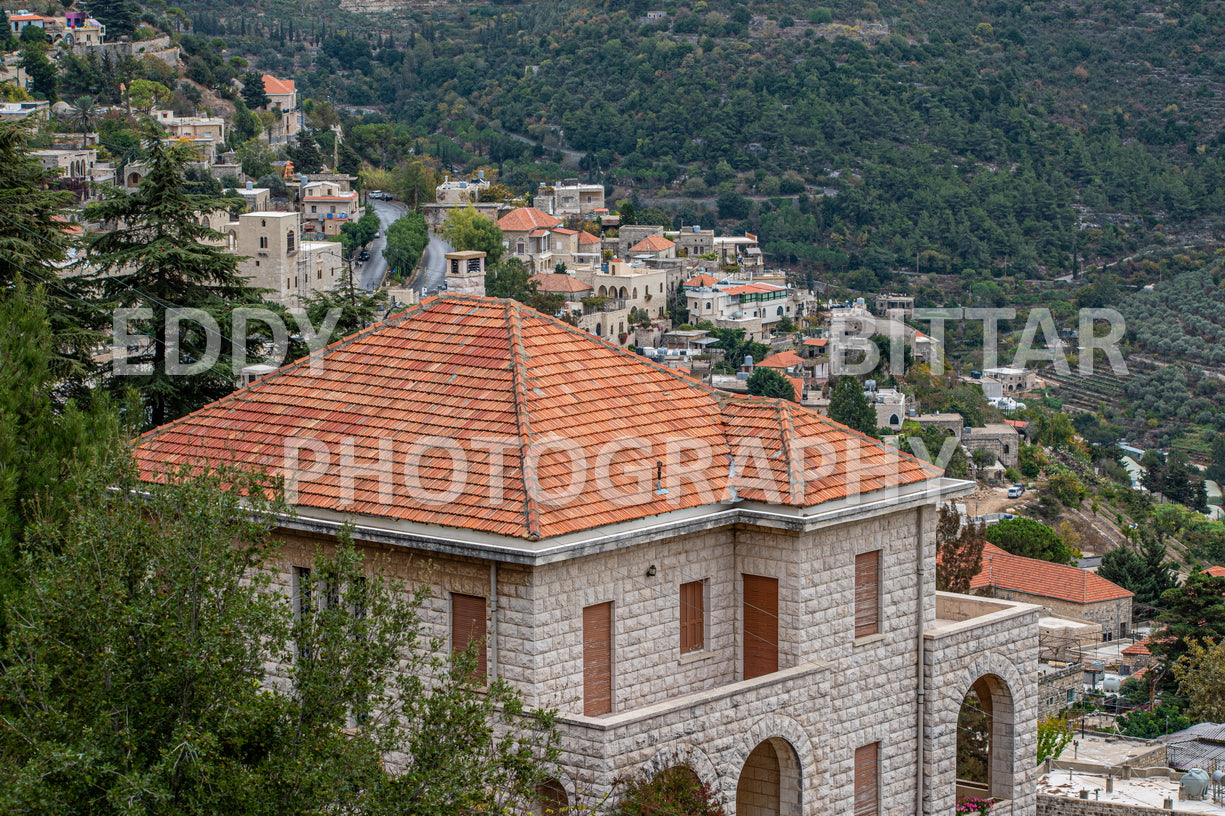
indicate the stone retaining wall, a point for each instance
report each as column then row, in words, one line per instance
column 1063, row 806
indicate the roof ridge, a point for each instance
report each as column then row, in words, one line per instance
column 795, row 479
column 519, row 375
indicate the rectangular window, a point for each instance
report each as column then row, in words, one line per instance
column 468, row 627
column 263, row 242
column 1071, row 696
column 303, row 602
column 597, row 660
column 760, row 626
column 693, row 617
column 867, row 780
column 867, row 593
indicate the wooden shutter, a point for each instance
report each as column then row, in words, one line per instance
column 468, row 625
column 867, row 593
column 693, row 614
column 597, row 659
column 867, row 780
column 760, row 626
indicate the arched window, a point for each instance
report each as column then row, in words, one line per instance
column 708, row 305
column 635, row 295
column 289, row 239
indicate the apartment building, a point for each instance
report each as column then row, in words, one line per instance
column 276, row 258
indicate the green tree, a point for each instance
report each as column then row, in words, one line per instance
column 156, row 259
column 306, row 156
column 509, row 279
column 359, row 232
column 1200, row 673
column 119, row 16
column 1053, row 736
column 959, row 550
column 137, row 678
column 407, row 238
column 848, row 405
column 244, row 125
column 85, row 110
column 766, row 382
column 1067, row 488
column 467, row 229
column 33, row 245
column 1194, row 610
column 7, row 41
column 39, row 69
column 1145, row 571
column 145, row 95
column 1150, row 724
column 354, row 309
column 1031, row 539
column 43, row 441
column 254, row 94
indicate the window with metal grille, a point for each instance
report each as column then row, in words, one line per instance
column 693, row 616
column 867, row 593
column 867, row 780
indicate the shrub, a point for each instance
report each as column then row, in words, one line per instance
column 676, row 791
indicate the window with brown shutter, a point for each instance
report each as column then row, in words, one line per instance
column 867, row 780
column 597, row 659
column 468, row 626
column 693, row 614
column 760, row 626
column 867, row 593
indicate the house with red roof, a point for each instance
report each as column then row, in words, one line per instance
column 326, row 207
column 756, row 307
column 282, row 100
column 1067, row 592
column 736, row 585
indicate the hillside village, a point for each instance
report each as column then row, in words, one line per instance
column 726, row 528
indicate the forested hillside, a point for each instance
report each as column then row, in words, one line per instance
column 1029, row 140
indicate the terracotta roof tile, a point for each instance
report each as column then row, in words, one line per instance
column 556, row 282
column 273, row 85
column 652, row 243
column 701, row 280
column 525, row 219
column 784, row 359
column 516, row 398
column 818, row 342
column 1041, row 578
column 1216, row 572
column 753, row 288
column 585, row 237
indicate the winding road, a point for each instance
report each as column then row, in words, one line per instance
column 370, row 274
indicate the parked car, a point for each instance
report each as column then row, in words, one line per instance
column 364, row 256
column 1016, row 491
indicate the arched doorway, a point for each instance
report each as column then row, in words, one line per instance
column 986, row 741
column 551, row 798
column 769, row 783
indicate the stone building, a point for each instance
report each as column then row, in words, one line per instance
column 736, row 585
column 1066, row 592
column 999, row 438
column 276, row 258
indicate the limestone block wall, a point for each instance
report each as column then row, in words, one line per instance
column 1002, row 646
column 1109, row 614
column 1063, row 806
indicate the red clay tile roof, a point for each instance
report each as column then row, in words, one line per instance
column 816, row 341
column 586, row 237
column 1140, row 648
column 273, row 85
column 516, row 393
column 1216, row 572
column 526, row 219
column 556, row 282
column 701, row 280
column 784, row 359
column 798, row 384
column 1004, row 570
column 1020, row 424
column 563, row 231
column 652, row 243
column 538, row 233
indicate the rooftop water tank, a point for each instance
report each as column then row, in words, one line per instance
column 1194, row 783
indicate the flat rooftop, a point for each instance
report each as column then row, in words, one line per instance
column 1149, row 793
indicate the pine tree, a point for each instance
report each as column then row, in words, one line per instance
column 766, row 382
column 32, row 247
column 155, row 258
column 254, row 94
column 306, row 157
column 41, row 71
column 959, row 550
column 119, row 16
column 848, row 405
column 7, row 41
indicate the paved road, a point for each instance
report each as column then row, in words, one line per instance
column 434, row 265
column 370, row 274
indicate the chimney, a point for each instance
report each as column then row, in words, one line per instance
column 748, row 363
